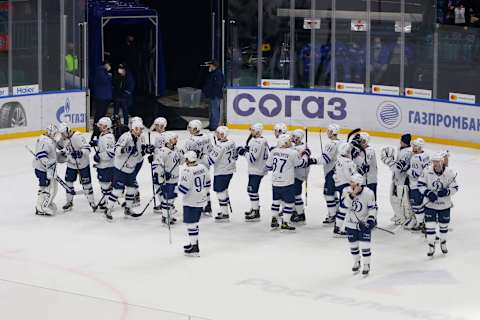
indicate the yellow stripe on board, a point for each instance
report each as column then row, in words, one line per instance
column 28, row 134
column 457, row 143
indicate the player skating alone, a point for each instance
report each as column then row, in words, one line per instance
column 45, row 163
column 328, row 160
column 223, row 158
column 201, row 144
column 103, row 158
column 128, row 152
column 74, row 146
column 167, row 163
column 399, row 164
column 282, row 161
column 438, row 184
column 360, row 220
column 194, row 183
column 256, row 152
column 157, row 139
column 419, row 162
column 366, row 161
column 344, row 169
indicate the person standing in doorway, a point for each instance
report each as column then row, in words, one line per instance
column 213, row 90
column 102, row 90
column 124, row 84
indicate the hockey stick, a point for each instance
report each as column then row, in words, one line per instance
column 306, row 169
column 353, row 132
column 385, row 230
column 321, row 142
column 151, row 171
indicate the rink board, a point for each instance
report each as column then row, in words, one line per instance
column 36, row 111
column 385, row 116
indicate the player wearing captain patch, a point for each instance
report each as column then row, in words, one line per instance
column 359, row 221
column 194, row 183
column 103, row 157
column 256, row 152
column 201, row 144
column 438, row 184
column 44, row 163
column 418, row 163
column 166, row 166
column 366, row 160
column 74, row 146
column 399, row 165
column 128, row 152
column 344, row 169
column 328, row 160
column 223, row 158
column 282, row 161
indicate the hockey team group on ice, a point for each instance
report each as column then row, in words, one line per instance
column 421, row 189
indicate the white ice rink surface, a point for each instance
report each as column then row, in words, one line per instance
column 78, row 266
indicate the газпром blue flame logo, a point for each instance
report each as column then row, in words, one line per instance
column 389, row 114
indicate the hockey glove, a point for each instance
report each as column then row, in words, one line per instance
column 148, row 148
column 371, row 222
column 312, row 161
column 150, row 158
column 443, row 192
column 93, row 143
column 364, row 169
column 355, row 152
column 241, row 150
column 127, row 149
column 168, row 176
column 77, row 154
column 400, row 165
column 96, row 158
column 363, row 227
column 432, row 197
column 307, row 152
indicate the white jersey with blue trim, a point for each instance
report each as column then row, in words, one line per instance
column 400, row 176
column 282, row 162
column 301, row 173
column 106, row 150
column 201, row 144
column 76, row 142
column 432, row 181
column 418, row 163
column 329, row 156
column 360, row 208
column 157, row 139
column 257, row 156
column 371, row 160
column 126, row 160
column 194, row 183
column 223, row 158
column 45, row 154
column 168, row 160
column 344, row 169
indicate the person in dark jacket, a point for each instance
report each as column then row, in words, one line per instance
column 213, row 90
column 124, row 84
column 102, row 90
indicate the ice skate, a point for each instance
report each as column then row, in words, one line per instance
column 287, row 227
column 253, row 216
column 366, row 269
column 431, row 250
column 222, row 218
column 328, row 220
column 356, row 267
column 127, row 212
column 443, row 246
column 207, row 211
column 68, row 206
column 108, row 214
column 172, row 220
column 157, row 209
column 338, row 233
column 298, row 219
column 419, row 227
column 192, row 250
column 274, row 225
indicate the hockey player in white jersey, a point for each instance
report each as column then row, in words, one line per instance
column 399, row 164
column 166, row 164
column 256, row 152
column 147, row 148
column 44, row 163
column 301, row 175
column 194, row 183
column 103, row 158
column 438, row 184
column 328, row 160
column 201, row 144
column 344, row 169
column 419, row 162
column 366, row 160
column 279, row 129
column 77, row 150
column 223, row 158
column 156, row 138
column 361, row 218
column 128, row 152
column 282, row 161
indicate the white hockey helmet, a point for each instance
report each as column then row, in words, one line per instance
column 439, row 156
column 333, row 129
column 297, row 136
column 280, row 128
column 64, row 128
column 418, row 143
column 284, row 141
column 190, row 157
column 256, row 129
column 356, row 178
column 52, row 131
column 194, row 126
column 137, row 127
column 105, row 121
column 171, row 138
column 344, row 149
column 364, row 137
column 222, row 132
column 135, row 119
column 160, row 122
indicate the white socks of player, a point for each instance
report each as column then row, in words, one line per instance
column 254, row 200
column 366, row 256
column 192, row 232
column 299, row 205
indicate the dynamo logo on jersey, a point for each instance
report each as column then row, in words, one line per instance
column 389, row 114
column 64, row 114
column 357, row 206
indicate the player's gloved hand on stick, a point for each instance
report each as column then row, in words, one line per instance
column 364, row 169
column 401, row 165
column 431, row 196
column 312, row 161
column 93, row 143
column 242, row 150
column 168, row 176
column 150, row 158
column 371, row 222
column 443, row 192
column 77, row 154
column 307, row 152
column 96, row 158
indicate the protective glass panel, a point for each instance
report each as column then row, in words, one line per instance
column 4, row 8
column 51, row 45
